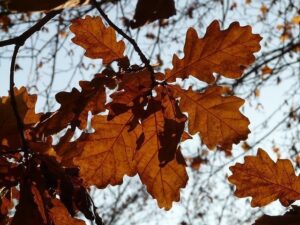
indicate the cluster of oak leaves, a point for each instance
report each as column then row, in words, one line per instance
column 141, row 133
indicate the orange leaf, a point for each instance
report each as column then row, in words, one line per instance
column 98, row 41
column 26, row 107
column 264, row 9
column 265, row 181
column 215, row 116
column 67, row 150
column 132, row 86
column 75, row 106
column 296, row 20
column 266, row 70
column 61, row 216
column 226, row 52
column 174, row 123
column 108, row 154
column 162, row 182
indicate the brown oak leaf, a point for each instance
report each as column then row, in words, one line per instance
column 163, row 182
column 265, row 181
column 216, row 117
column 76, row 105
column 132, row 86
column 98, row 40
column 108, row 154
column 60, row 215
column 9, row 136
column 174, row 124
column 226, row 52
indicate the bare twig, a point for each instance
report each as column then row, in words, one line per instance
column 20, row 40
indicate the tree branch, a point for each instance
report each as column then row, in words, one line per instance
column 20, row 40
column 13, row 101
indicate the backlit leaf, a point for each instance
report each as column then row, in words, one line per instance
column 216, row 117
column 60, row 215
column 26, row 107
column 76, row 105
column 98, row 40
column 163, row 182
column 226, row 52
column 108, row 154
column 174, row 124
column 132, row 86
column 265, row 181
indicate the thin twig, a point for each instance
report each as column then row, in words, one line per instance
column 122, row 33
column 20, row 40
column 13, row 101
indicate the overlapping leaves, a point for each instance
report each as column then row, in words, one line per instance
column 144, row 127
column 145, row 130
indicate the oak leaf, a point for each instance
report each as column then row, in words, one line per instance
column 216, row 117
column 26, row 107
column 98, row 40
column 76, row 105
column 265, row 181
column 132, row 86
column 163, row 182
column 149, row 11
column 60, row 215
column 174, row 124
column 108, row 154
column 66, row 149
column 226, row 52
